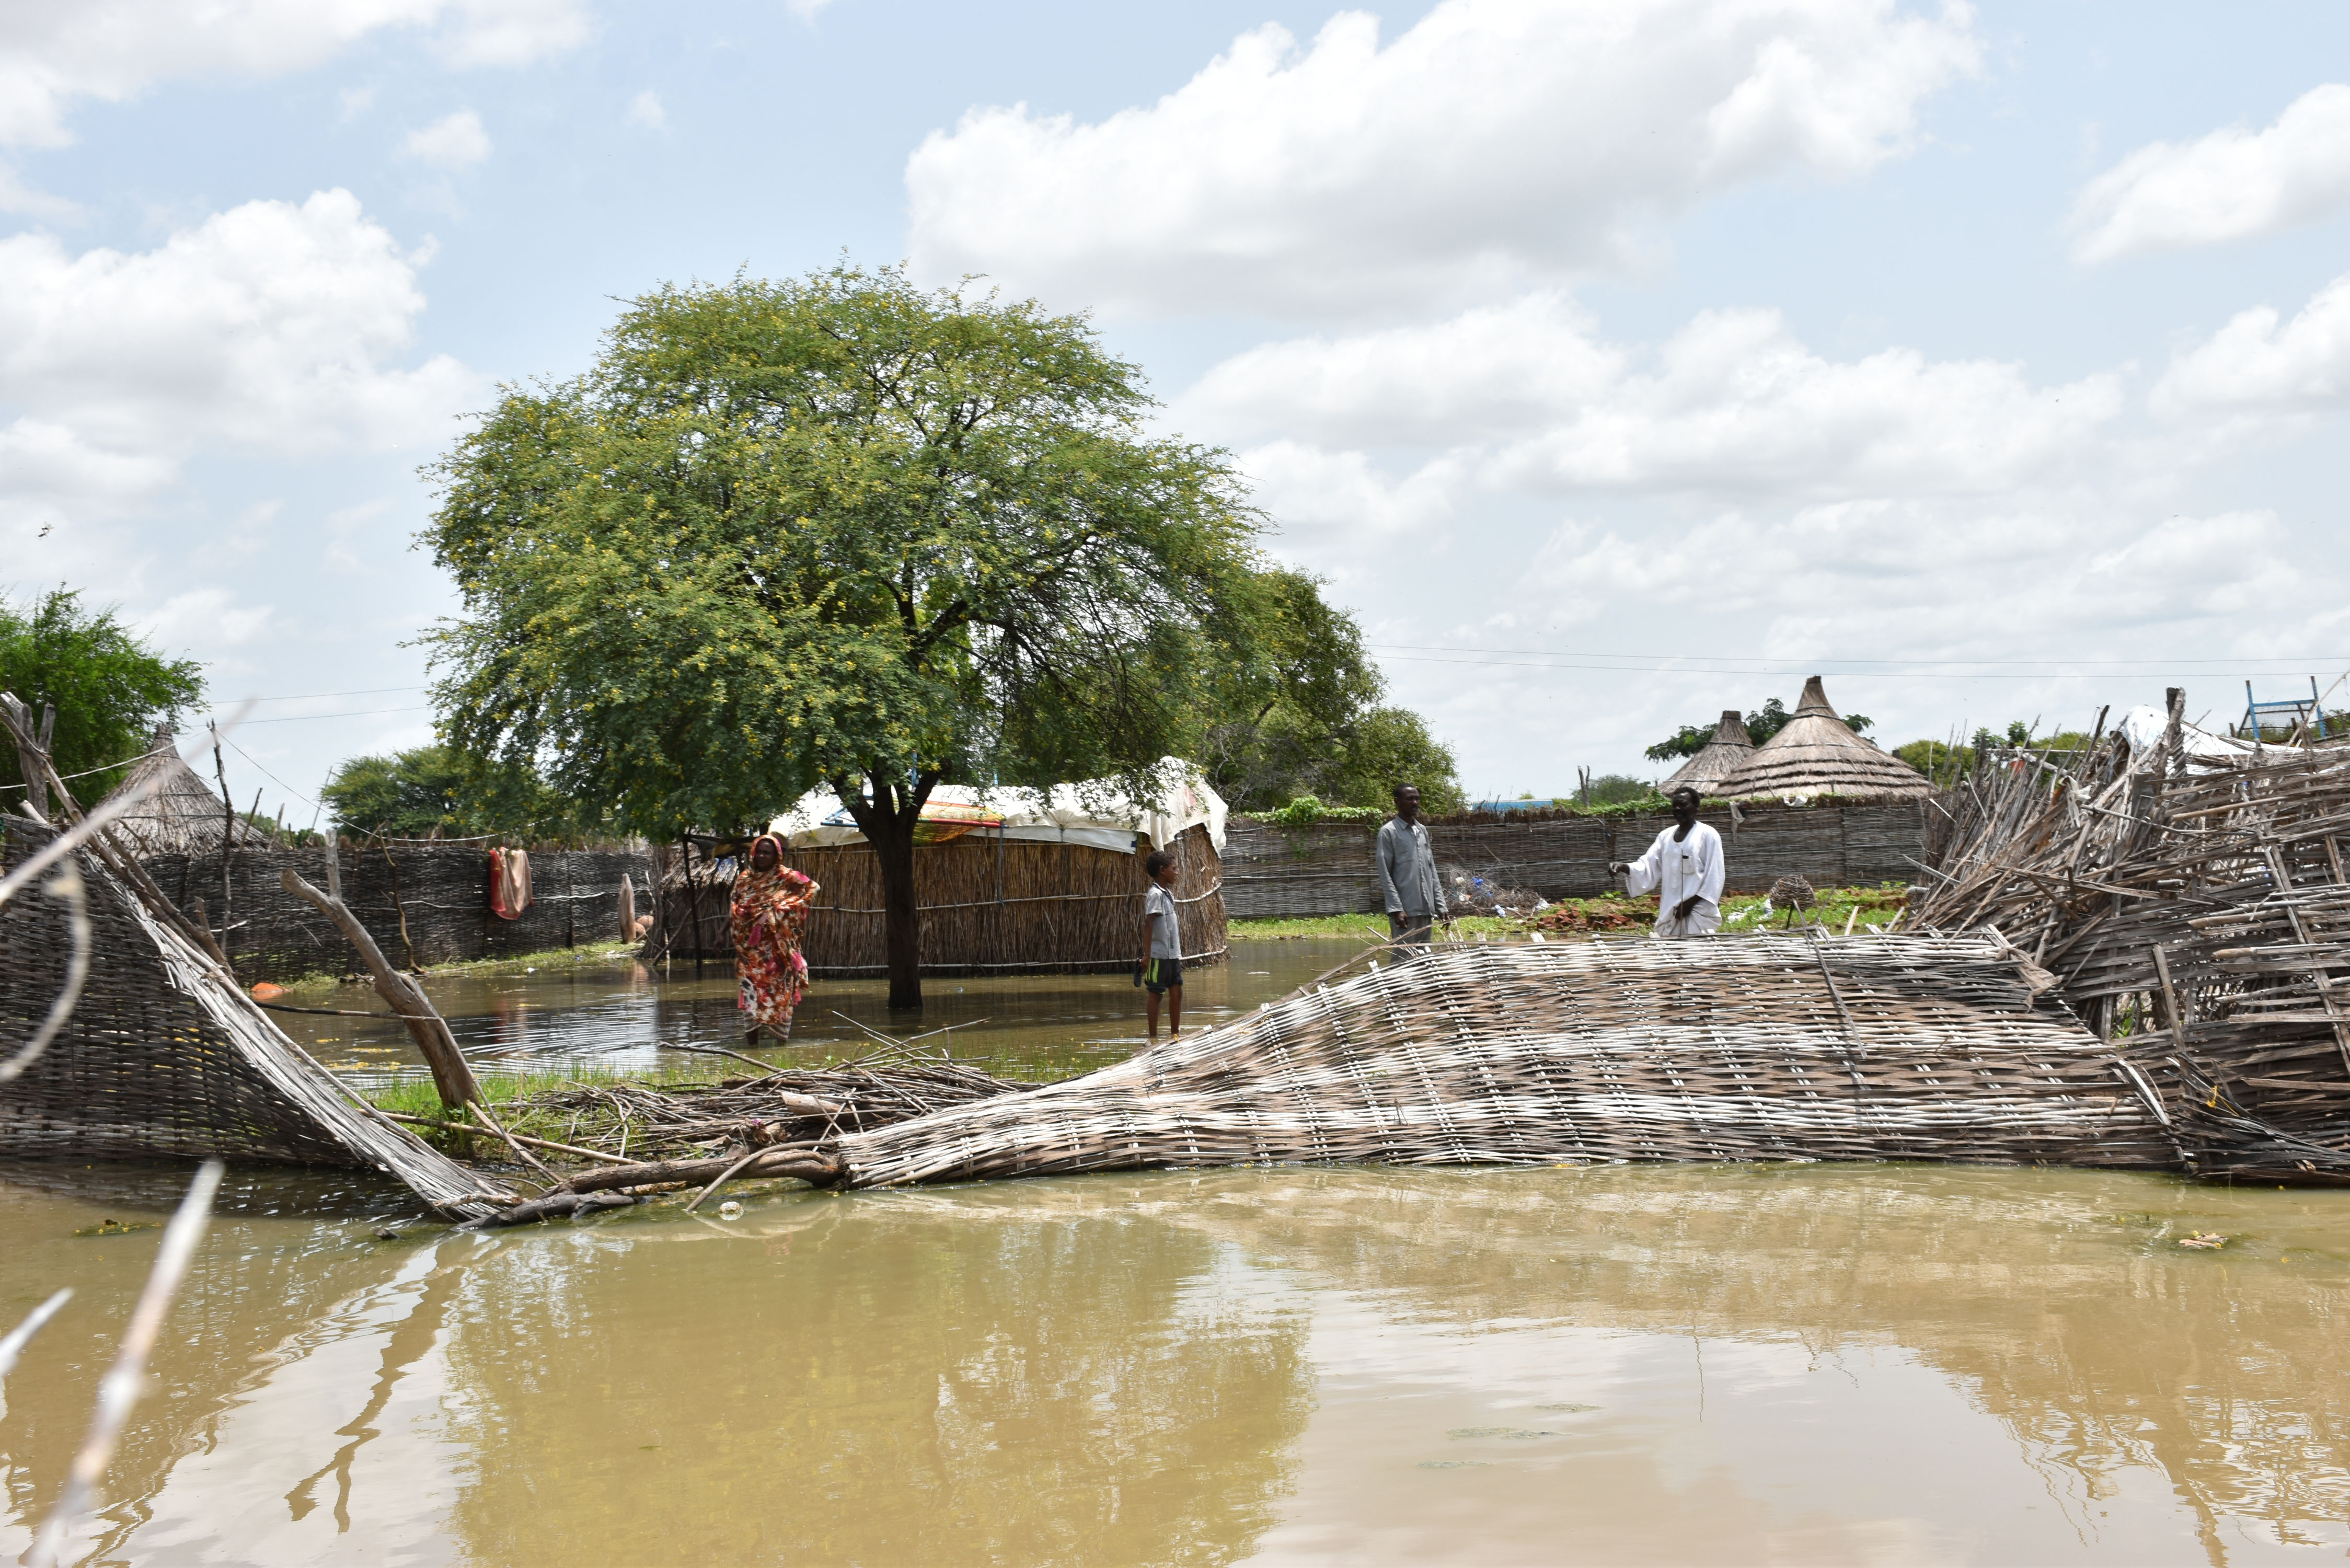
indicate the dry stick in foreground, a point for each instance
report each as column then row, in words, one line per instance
column 120, row 1389
column 450, row 1074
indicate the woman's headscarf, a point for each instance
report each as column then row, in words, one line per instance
column 765, row 898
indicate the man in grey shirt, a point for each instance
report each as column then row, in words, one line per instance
column 1407, row 874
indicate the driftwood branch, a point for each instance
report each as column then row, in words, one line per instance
column 450, row 1074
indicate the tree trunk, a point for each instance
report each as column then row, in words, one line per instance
column 888, row 816
column 901, row 921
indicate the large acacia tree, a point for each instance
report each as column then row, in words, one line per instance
column 837, row 529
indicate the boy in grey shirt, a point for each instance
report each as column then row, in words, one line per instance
column 1162, row 969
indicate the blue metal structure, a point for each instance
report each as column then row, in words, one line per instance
column 2290, row 711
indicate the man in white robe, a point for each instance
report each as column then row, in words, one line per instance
column 1684, row 866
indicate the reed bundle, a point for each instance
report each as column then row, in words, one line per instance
column 801, row 1105
column 1778, row 1048
column 2196, row 912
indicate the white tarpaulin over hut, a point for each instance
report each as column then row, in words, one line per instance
column 1098, row 813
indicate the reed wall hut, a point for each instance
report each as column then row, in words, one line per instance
column 1007, row 882
column 1729, row 750
column 1818, row 755
column 183, row 817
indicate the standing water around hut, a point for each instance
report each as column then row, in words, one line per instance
column 1641, row 1364
column 1619, row 1364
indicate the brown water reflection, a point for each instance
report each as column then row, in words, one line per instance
column 1629, row 1364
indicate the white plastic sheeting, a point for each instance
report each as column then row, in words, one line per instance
column 1098, row 813
column 2143, row 728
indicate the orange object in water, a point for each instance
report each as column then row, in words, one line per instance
column 263, row 991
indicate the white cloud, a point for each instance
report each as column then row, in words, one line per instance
column 1528, row 396
column 2228, row 185
column 1495, row 140
column 805, row 10
column 266, row 326
column 453, row 141
column 205, row 617
column 2259, row 363
column 645, row 112
column 53, row 54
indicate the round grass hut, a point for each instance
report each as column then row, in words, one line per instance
column 183, row 817
column 1729, row 750
column 1818, row 755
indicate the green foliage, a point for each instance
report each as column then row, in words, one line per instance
column 1616, row 789
column 1944, row 763
column 1304, row 718
column 1760, row 725
column 834, row 529
column 109, row 689
column 1308, row 808
column 428, row 789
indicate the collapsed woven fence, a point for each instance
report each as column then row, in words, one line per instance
column 1327, row 867
column 166, row 1055
column 1765, row 1048
column 2198, row 913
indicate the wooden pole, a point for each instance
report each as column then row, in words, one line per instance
column 450, row 1074
column 36, row 793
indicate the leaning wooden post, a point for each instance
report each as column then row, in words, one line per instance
column 450, row 1074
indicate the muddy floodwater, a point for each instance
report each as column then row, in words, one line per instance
column 1736, row 1365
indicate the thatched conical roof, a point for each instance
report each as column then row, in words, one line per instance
column 1723, row 756
column 1817, row 753
column 183, row 817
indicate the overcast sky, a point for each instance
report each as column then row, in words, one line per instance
column 1616, row 362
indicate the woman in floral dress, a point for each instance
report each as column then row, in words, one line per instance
column 769, row 912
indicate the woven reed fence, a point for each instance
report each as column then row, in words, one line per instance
column 989, row 907
column 1773, row 1048
column 166, row 1056
column 424, row 903
column 1327, row 869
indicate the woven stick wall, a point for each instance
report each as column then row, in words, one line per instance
column 165, row 1057
column 1921, row 1048
column 1325, row 868
column 424, row 903
column 2202, row 907
column 988, row 907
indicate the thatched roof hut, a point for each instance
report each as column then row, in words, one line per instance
column 1728, row 751
column 1817, row 753
column 183, row 817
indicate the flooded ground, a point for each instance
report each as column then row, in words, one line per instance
column 1800, row 1365
column 623, row 1017
column 1648, row 1365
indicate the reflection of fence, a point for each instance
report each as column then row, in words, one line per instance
column 1327, row 869
column 988, row 907
column 424, row 903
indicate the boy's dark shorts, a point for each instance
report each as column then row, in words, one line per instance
column 1160, row 973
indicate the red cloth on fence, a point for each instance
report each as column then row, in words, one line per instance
column 509, row 883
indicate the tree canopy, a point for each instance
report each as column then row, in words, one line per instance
column 1305, row 719
column 109, row 689
column 835, row 529
column 426, row 790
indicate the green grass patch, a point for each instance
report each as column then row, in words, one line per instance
column 1570, row 918
column 1368, row 929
